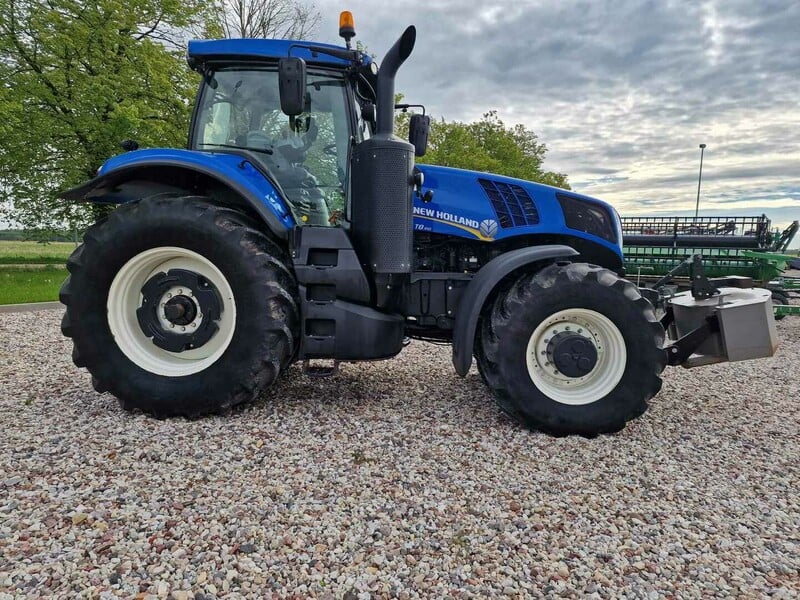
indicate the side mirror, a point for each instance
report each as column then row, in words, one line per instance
column 292, row 85
column 418, row 129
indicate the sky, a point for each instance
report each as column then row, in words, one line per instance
column 622, row 93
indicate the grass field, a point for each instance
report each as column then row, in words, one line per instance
column 30, row 253
column 21, row 283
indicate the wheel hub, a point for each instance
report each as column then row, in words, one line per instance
column 572, row 354
column 179, row 310
column 576, row 356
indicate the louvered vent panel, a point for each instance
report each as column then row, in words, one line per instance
column 512, row 204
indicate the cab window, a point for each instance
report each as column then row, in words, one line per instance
column 307, row 155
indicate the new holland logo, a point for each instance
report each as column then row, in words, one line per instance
column 488, row 227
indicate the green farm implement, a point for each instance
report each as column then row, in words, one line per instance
column 730, row 246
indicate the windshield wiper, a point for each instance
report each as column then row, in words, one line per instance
column 251, row 148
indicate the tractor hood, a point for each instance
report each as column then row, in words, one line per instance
column 488, row 207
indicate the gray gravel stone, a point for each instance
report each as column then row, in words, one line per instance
column 394, row 479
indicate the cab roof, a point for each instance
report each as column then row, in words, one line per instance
column 201, row 51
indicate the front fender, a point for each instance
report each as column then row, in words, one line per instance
column 482, row 285
column 164, row 167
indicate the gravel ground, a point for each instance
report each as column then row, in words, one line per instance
column 395, row 479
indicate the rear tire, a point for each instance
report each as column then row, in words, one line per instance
column 619, row 373
column 233, row 333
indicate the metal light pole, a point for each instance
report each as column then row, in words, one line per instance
column 699, row 179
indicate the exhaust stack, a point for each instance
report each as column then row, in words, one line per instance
column 395, row 57
column 381, row 185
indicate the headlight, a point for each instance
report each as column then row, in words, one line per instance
column 588, row 217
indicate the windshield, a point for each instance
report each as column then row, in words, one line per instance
column 307, row 155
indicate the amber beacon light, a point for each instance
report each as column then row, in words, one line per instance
column 347, row 27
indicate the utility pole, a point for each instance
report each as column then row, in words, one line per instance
column 699, row 180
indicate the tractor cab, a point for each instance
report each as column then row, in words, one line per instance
column 239, row 110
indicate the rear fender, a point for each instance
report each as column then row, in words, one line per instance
column 481, row 287
column 234, row 178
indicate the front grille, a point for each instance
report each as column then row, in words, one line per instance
column 512, row 204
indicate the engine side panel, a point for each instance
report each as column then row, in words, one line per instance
column 461, row 207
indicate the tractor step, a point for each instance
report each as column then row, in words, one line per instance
column 320, row 368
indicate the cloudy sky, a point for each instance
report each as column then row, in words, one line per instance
column 621, row 92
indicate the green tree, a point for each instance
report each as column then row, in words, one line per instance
column 487, row 145
column 76, row 78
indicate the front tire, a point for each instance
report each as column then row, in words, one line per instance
column 180, row 307
column 572, row 349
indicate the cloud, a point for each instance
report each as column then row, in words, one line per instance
column 621, row 92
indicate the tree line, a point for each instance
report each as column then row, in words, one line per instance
column 78, row 77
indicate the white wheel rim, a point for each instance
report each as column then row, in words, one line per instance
column 125, row 297
column 597, row 383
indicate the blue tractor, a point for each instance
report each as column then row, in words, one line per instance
column 296, row 227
